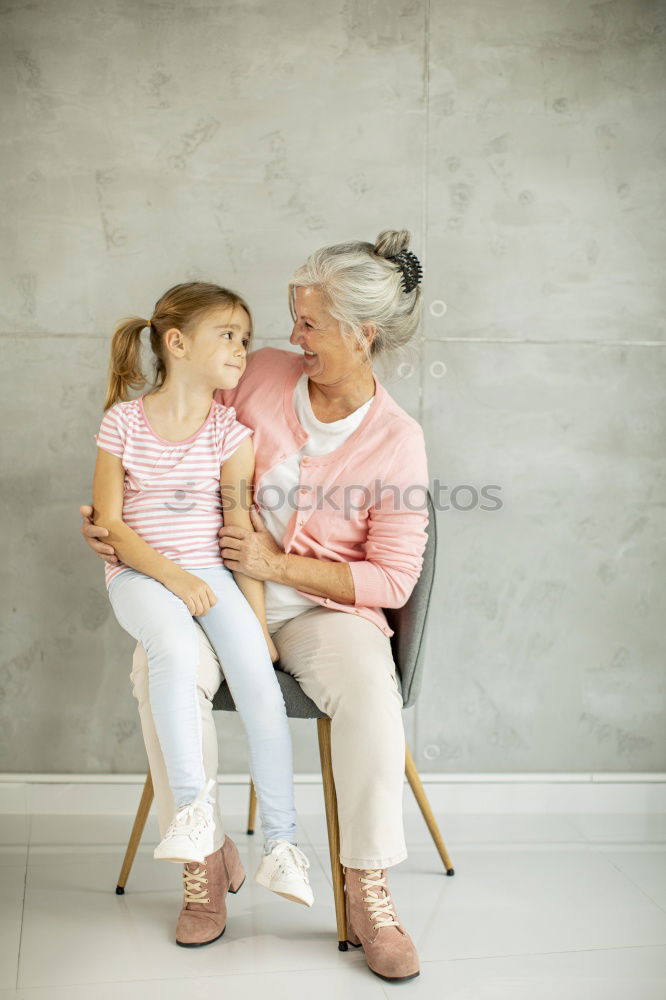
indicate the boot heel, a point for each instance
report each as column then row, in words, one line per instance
column 236, row 884
column 235, row 869
column 352, row 938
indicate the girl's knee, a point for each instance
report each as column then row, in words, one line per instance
column 267, row 711
column 207, row 673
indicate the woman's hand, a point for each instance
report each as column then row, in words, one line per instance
column 254, row 553
column 91, row 532
column 194, row 591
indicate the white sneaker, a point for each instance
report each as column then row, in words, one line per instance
column 190, row 836
column 285, row 871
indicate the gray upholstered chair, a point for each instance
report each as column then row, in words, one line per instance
column 409, row 625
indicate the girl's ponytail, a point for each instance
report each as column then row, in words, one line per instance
column 125, row 363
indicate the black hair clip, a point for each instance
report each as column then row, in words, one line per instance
column 412, row 272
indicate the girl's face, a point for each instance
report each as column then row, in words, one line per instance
column 328, row 358
column 217, row 348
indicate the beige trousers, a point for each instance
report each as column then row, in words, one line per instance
column 344, row 664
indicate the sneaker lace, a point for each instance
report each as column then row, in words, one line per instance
column 378, row 899
column 194, row 817
column 195, row 885
column 289, row 856
column 191, row 820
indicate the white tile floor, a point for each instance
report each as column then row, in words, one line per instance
column 557, row 907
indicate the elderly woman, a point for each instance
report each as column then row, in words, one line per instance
column 340, row 479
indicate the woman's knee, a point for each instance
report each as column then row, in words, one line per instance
column 139, row 673
column 371, row 689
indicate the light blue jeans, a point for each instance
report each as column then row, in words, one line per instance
column 161, row 622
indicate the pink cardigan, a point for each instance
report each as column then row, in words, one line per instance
column 382, row 533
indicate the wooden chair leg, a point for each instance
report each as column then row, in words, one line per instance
column 252, row 809
column 331, row 803
column 422, row 800
column 136, row 834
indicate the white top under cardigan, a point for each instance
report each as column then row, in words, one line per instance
column 284, row 602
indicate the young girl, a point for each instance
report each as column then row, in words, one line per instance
column 169, row 465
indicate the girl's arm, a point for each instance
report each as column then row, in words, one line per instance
column 236, row 476
column 133, row 551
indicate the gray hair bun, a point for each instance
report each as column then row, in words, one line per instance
column 392, row 245
column 390, row 242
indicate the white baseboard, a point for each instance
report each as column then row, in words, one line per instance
column 555, row 793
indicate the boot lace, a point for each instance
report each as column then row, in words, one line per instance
column 195, row 885
column 378, row 899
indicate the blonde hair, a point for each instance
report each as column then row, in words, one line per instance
column 181, row 306
column 361, row 285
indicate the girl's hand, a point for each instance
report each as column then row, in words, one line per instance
column 194, row 591
column 275, row 656
column 91, row 532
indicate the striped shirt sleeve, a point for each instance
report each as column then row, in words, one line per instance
column 112, row 433
column 234, row 433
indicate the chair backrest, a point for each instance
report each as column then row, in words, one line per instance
column 409, row 622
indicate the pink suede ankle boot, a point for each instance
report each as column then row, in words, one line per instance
column 203, row 917
column 373, row 923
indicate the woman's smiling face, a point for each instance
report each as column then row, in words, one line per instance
column 328, row 357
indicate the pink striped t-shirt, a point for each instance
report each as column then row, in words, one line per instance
column 171, row 494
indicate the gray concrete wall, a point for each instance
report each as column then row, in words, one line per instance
column 523, row 144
